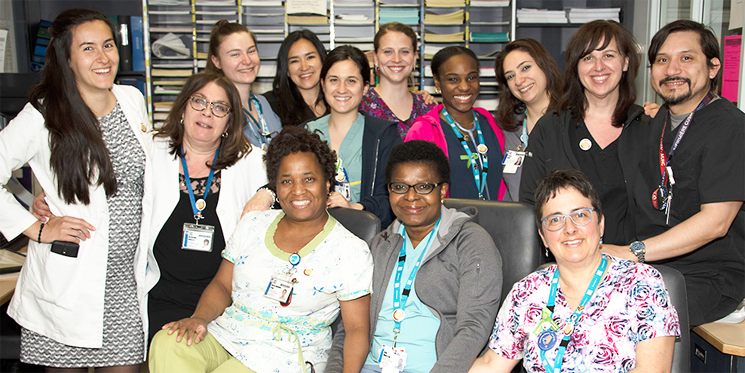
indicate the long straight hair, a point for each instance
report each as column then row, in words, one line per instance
column 79, row 157
column 291, row 103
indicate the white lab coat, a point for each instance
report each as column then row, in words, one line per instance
column 58, row 296
column 238, row 185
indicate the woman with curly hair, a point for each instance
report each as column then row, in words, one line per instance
column 285, row 277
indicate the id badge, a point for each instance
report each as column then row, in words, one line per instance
column 344, row 189
column 512, row 161
column 279, row 289
column 198, row 237
column 392, row 360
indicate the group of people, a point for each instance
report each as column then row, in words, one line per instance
column 247, row 287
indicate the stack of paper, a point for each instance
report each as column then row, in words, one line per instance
column 541, row 16
column 307, row 20
column 354, row 3
column 400, row 3
column 490, row 37
column 162, row 106
column 579, row 15
column 430, row 50
column 262, row 3
column 454, row 18
column 489, row 56
column 444, row 38
column 445, row 3
column 168, row 2
column 215, row 3
column 352, row 19
column 489, row 3
column 406, row 16
column 171, row 72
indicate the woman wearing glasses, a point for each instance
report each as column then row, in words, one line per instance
column 437, row 273
column 609, row 314
column 205, row 171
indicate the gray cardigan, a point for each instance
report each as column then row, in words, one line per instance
column 460, row 281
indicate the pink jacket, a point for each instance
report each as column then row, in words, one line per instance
column 427, row 127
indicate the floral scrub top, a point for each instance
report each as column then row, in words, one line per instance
column 258, row 331
column 372, row 104
column 630, row 305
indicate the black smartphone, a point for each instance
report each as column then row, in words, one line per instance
column 65, row 248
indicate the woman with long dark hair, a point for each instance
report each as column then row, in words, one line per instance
column 298, row 81
column 597, row 126
column 86, row 141
column 361, row 142
column 529, row 85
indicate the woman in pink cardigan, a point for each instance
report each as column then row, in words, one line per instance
column 468, row 135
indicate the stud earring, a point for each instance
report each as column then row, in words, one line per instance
column 601, row 240
column 547, row 252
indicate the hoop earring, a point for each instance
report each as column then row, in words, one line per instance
column 437, row 91
column 224, row 134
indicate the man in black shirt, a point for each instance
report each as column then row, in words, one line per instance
column 691, row 181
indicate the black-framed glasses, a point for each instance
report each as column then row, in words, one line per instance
column 579, row 217
column 420, row 188
column 219, row 109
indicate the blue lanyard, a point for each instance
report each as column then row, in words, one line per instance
column 197, row 211
column 480, row 179
column 524, row 136
column 575, row 316
column 260, row 131
column 401, row 297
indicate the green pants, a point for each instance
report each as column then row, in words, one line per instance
column 167, row 356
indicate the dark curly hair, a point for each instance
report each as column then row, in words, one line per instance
column 564, row 179
column 294, row 140
column 419, row 151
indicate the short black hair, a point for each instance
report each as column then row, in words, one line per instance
column 294, row 140
column 446, row 53
column 419, row 151
column 562, row 179
column 706, row 38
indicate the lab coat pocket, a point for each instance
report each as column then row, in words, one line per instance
column 57, row 274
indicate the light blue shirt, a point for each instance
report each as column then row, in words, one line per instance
column 350, row 150
column 418, row 329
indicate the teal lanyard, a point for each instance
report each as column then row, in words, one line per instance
column 481, row 149
column 524, row 136
column 194, row 208
column 258, row 127
column 401, row 297
column 575, row 316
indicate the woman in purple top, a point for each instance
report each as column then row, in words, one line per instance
column 395, row 59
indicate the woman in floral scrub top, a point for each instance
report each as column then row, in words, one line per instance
column 612, row 315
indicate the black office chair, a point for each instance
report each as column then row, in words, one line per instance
column 512, row 227
column 363, row 224
column 676, row 287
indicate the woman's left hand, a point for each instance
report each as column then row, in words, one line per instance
column 194, row 328
column 428, row 98
column 337, row 200
column 261, row 201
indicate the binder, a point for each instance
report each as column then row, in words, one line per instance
column 125, row 43
column 138, row 51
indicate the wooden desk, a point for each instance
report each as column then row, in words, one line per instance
column 7, row 286
column 727, row 338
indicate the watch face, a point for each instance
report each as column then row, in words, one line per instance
column 637, row 246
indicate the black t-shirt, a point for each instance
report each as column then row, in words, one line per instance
column 708, row 167
column 603, row 168
column 298, row 118
column 184, row 273
column 462, row 183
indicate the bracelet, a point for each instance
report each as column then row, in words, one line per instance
column 38, row 239
column 274, row 195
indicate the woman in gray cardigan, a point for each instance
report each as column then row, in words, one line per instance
column 437, row 277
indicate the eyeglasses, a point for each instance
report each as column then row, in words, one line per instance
column 218, row 109
column 580, row 217
column 420, row 188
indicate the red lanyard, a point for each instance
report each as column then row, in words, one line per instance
column 665, row 159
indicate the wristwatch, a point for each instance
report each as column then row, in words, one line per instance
column 637, row 248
